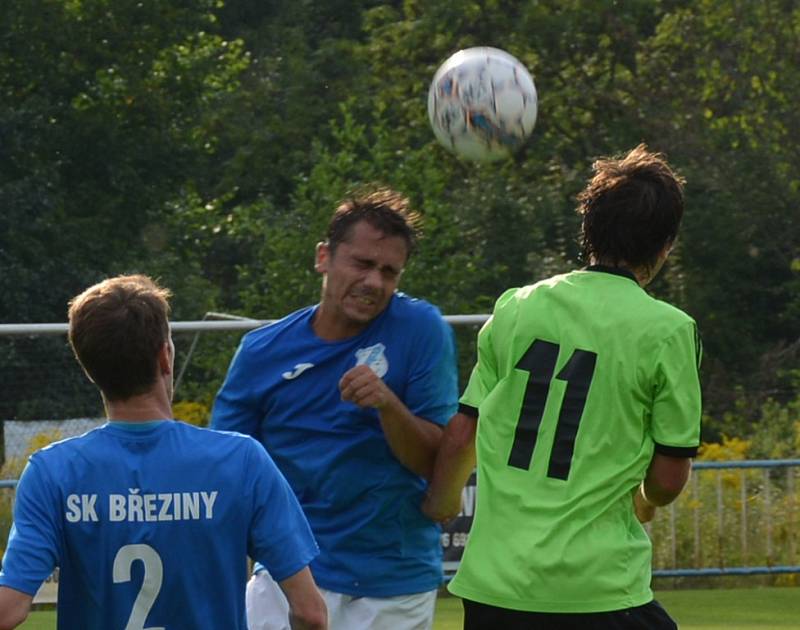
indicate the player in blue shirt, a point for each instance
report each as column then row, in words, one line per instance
column 150, row 520
column 349, row 397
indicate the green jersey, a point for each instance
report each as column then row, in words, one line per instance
column 579, row 379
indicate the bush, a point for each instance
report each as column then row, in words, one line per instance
column 198, row 414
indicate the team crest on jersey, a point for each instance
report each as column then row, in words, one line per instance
column 374, row 358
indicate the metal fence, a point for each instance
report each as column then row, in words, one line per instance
column 735, row 518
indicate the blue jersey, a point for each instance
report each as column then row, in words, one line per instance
column 151, row 527
column 362, row 503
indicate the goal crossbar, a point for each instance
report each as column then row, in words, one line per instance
column 196, row 325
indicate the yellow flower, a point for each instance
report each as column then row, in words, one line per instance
column 190, row 412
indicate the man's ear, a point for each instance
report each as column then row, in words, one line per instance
column 165, row 358
column 323, row 256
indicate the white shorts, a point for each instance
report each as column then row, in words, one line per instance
column 267, row 609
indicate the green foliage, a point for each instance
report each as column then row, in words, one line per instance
column 723, row 87
column 97, row 138
column 106, row 116
column 191, row 412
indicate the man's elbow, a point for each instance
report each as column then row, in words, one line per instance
column 12, row 614
column 661, row 495
column 666, row 479
column 307, row 610
column 459, row 434
column 309, row 621
column 309, row 616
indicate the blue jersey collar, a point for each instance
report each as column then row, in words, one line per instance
column 136, row 426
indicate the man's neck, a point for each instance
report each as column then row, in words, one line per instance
column 139, row 408
column 642, row 276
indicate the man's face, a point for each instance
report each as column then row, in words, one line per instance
column 362, row 274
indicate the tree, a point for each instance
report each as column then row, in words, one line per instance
column 721, row 89
column 104, row 120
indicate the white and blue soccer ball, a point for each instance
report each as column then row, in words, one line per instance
column 482, row 104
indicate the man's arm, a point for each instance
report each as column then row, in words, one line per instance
column 666, row 477
column 14, row 607
column 675, row 424
column 307, row 610
column 454, row 465
column 414, row 441
column 33, row 543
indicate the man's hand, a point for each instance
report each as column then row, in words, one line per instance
column 413, row 440
column 361, row 386
column 645, row 511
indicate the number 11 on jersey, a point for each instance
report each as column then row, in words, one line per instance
column 539, row 361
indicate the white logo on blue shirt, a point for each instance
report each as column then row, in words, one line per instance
column 138, row 507
column 297, row 371
column 374, row 358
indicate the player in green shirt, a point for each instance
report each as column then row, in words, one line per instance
column 588, row 395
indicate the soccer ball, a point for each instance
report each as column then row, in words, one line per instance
column 482, row 104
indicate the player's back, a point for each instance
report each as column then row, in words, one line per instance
column 152, row 525
column 565, row 434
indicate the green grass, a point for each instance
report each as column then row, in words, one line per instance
column 723, row 609
column 40, row 620
column 733, row 609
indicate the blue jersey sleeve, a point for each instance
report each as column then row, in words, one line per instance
column 33, row 543
column 236, row 407
column 432, row 389
column 280, row 538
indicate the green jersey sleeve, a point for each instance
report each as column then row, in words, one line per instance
column 675, row 423
column 485, row 375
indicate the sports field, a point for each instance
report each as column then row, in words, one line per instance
column 729, row 609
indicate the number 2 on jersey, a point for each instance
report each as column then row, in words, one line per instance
column 539, row 361
column 151, row 583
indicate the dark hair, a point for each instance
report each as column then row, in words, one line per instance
column 384, row 209
column 632, row 208
column 116, row 329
